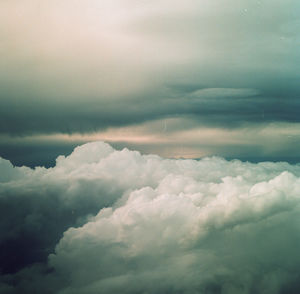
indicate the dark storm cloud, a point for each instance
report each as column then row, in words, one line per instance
column 79, row 68
column 213, row 107
column 117, row 221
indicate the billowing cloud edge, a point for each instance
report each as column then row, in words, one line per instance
column 144, row 224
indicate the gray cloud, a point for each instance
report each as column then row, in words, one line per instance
column 222, row 107
column 122, row 221
column 79, row 68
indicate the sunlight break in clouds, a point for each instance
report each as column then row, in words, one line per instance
column 107, row 221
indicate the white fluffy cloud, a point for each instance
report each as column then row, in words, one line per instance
column 144, row 224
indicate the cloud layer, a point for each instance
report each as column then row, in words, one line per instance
column 84, row 66
column 108, row 221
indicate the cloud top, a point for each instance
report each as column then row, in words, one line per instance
column 111, row 221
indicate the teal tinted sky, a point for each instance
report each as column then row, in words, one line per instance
column 177, row 79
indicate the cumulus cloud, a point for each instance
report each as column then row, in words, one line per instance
column 108, row 221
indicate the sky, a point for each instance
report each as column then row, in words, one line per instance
column 149, row 147
column 181, row 80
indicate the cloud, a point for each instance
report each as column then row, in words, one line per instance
column 223, row 92
column 172, row 138
column 117, row 221
column 97, row 64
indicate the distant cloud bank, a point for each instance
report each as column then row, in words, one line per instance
column 108, row 221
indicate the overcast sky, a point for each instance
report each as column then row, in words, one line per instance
column 177, row 78
column 167, row 79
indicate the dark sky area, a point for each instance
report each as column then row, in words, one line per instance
column 148, row 74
